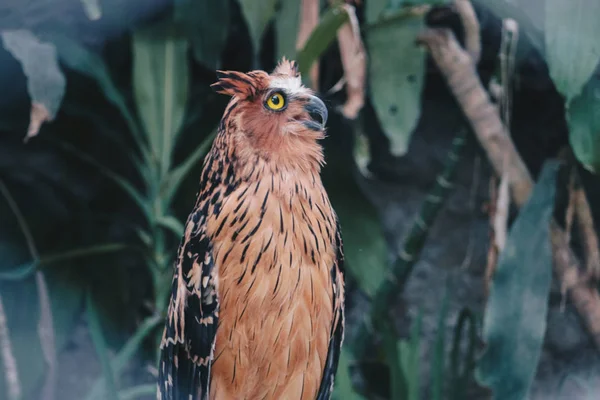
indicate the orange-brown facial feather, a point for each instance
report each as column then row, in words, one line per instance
column 273, row 242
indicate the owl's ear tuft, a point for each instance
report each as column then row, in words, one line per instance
column 233, row 83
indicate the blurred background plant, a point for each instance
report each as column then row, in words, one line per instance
column 106, row 117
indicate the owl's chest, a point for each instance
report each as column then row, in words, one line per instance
column 274, row 265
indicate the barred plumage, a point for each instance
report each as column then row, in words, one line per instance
column 256, row 309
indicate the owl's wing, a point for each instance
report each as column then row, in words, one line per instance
column 337, row 331
column 187, row 345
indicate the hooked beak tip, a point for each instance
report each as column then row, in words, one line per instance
column 318, row 113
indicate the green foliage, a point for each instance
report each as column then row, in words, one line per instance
column 77, row 57
column 206, row 25
column 343, row 382
column 101, row 347
column 583, row 118
column 287, row 22
column 396, row 73
column 258, row 14
column 321, row 37
column 515, row 317
column 410, row 361
column 160, row 57
column 365, row 247
column 22, row 306
column 438, row 361
column 572, row 47
column 460, row 378
column 123, row 357
column 413, row 245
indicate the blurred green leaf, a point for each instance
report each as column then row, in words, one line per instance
column 365, row 247
column 515, row 316
column 459, row 378
column 206, row 24
column 287, row 22
column 395, row 75
column 86, row 62
column 101, row 347
column 178, row 174
column 126, row 354
column 21, row 303
column 321, row 37
column 391, row 344
column 438, row 362
column 572, row 46
column 374, row 9
column 123, row 183
column 410, row 359
column 45, row 81
column 583, row 119
column 25, row 270
column 160, row 85
column 172, row 224
column 343, row 389
column 258, row 14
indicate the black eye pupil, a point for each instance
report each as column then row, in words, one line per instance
column 275, row 100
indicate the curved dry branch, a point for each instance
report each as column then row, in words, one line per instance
column 460, row 74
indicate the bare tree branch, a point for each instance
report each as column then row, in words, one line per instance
column 457, row 67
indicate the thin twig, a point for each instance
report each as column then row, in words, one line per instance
column 587, row 231
column 492, row 255
column 45, row 323
column 584, row 297
column 354, row 63
column 465, row 10
column 11, row 372
column 501, row 214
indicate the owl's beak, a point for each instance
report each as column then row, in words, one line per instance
column 318, row 113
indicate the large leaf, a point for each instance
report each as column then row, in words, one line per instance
column 207, row 25
column 160, row 84
column 515, row 316
column 583, row 118
column 287, row 22
column 396, row 75
column 45, row 81
column 258, row 14
column 572, row 46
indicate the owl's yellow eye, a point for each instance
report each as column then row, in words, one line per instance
column 276, row 101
